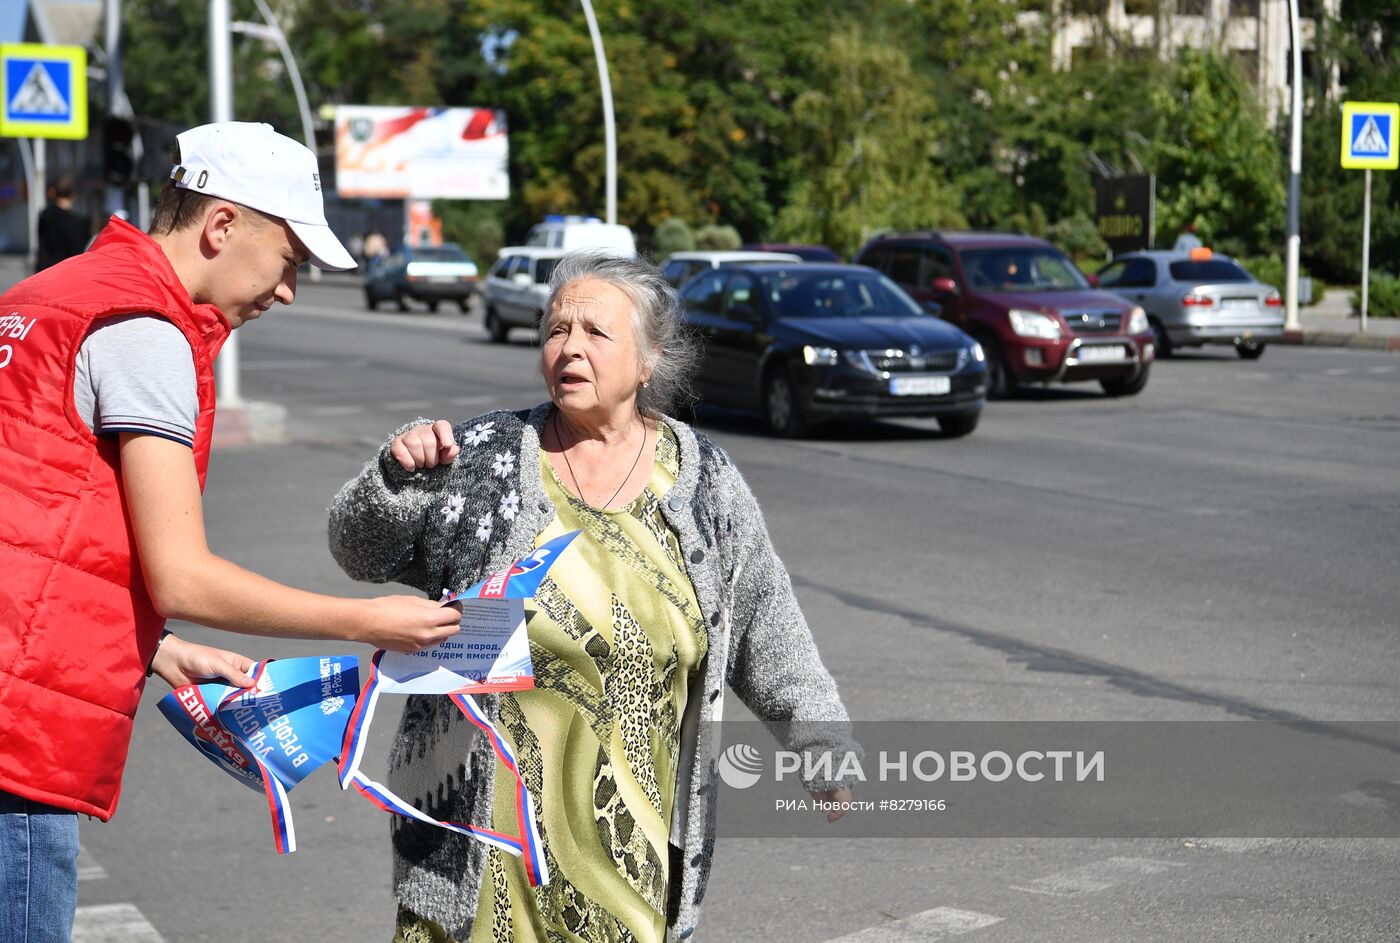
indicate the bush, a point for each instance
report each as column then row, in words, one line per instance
column 717, row 238
column 674, row 235
column 1382, row 297
column 1078, row 238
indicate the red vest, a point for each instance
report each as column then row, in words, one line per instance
column 77, row 628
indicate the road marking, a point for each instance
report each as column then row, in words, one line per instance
column 88, row 868
column 1380, row 369
column 473, row 400
column 1099, row 876
column 336, row 410
column 414, row 404
column 113, row 923
column 426, row 322
column 1233, row 845
column 1337, row 371
column 932, row 924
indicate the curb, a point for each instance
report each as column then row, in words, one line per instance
column 249, row 423
column 1338, row 339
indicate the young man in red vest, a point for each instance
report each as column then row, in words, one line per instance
column 106, row 415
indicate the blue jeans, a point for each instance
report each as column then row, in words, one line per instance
column 38, row 871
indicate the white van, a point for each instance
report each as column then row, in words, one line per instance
column 581, row 232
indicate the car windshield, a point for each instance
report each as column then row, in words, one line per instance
column 1021, row 269
column 445, row 253
column 794, row 294
column 1214, row 270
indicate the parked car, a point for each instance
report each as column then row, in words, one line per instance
column 682, row 266
column 1198, row 297
column 430, row 274
column 517, row 289
column 802, row 343
column 808, row 253
column 1038, row 317
column 581, row 232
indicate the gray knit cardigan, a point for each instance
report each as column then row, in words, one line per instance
column 449, row 526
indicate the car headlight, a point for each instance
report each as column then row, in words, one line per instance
column 1137, row 321
column 978, row 354
column 820, row 356
column 1034, row 324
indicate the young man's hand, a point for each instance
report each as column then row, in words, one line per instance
column 180, row 663
column 408, row 623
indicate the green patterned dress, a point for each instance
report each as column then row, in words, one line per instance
column 615, row 635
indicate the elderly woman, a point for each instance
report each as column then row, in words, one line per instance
column 671, row 590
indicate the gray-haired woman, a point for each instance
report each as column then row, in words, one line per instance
column 672, row 589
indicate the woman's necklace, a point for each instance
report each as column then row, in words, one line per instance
column 569, row 465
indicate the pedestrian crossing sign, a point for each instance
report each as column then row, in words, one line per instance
column 1368, row 135
column 43, row 91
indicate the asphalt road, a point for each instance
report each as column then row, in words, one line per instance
column 1223, row 546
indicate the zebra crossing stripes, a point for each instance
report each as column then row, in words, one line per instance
column 935, row 924
column 113, row 923
column 1095, row 877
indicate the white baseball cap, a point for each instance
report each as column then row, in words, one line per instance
column 252, row 165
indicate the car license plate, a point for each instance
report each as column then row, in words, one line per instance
column 920, row 386
column 1241, row 304
column 443, row 279
column 1102, row 354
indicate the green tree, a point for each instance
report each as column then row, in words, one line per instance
column 1217, row 163
column 866, row 136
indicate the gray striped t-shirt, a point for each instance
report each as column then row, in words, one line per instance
column 135, row 373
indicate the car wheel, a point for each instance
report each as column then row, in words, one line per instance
column 495, row 328
column 432, row 305
column 1249, row 350
column 1162, row 339
column 1001, row 382
column 401, row 301
column 958, row 425
column 782, row 408
column 1126, row 386
column 371, row 300
column 465, row 304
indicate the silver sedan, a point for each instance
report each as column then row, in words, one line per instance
column 1198, row 297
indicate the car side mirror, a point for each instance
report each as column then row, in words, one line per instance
column 944, row 286
column 1093, row 280
column 522, row 279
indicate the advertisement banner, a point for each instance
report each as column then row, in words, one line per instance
column 421, row 153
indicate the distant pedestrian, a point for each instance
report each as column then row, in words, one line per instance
column 62, row 232
column 376, row 246
column 106, row 419
column 1188, row 239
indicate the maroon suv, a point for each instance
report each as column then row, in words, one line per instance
column 1038, row 317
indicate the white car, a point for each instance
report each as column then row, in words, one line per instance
column 581, row 232
column 517, row 288
column 682, row 266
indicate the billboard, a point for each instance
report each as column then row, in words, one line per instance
column 1125, row 211
column 427, row 153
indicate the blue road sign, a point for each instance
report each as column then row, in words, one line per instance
column 43, row 91
column 1368, row 135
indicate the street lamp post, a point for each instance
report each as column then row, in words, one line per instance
column 1295, row 171
column 609, row 130
column 221, row 109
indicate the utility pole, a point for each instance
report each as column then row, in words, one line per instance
column 117, row 104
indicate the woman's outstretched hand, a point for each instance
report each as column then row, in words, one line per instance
column 425, row 446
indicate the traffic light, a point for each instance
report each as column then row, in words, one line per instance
column 119, row 155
